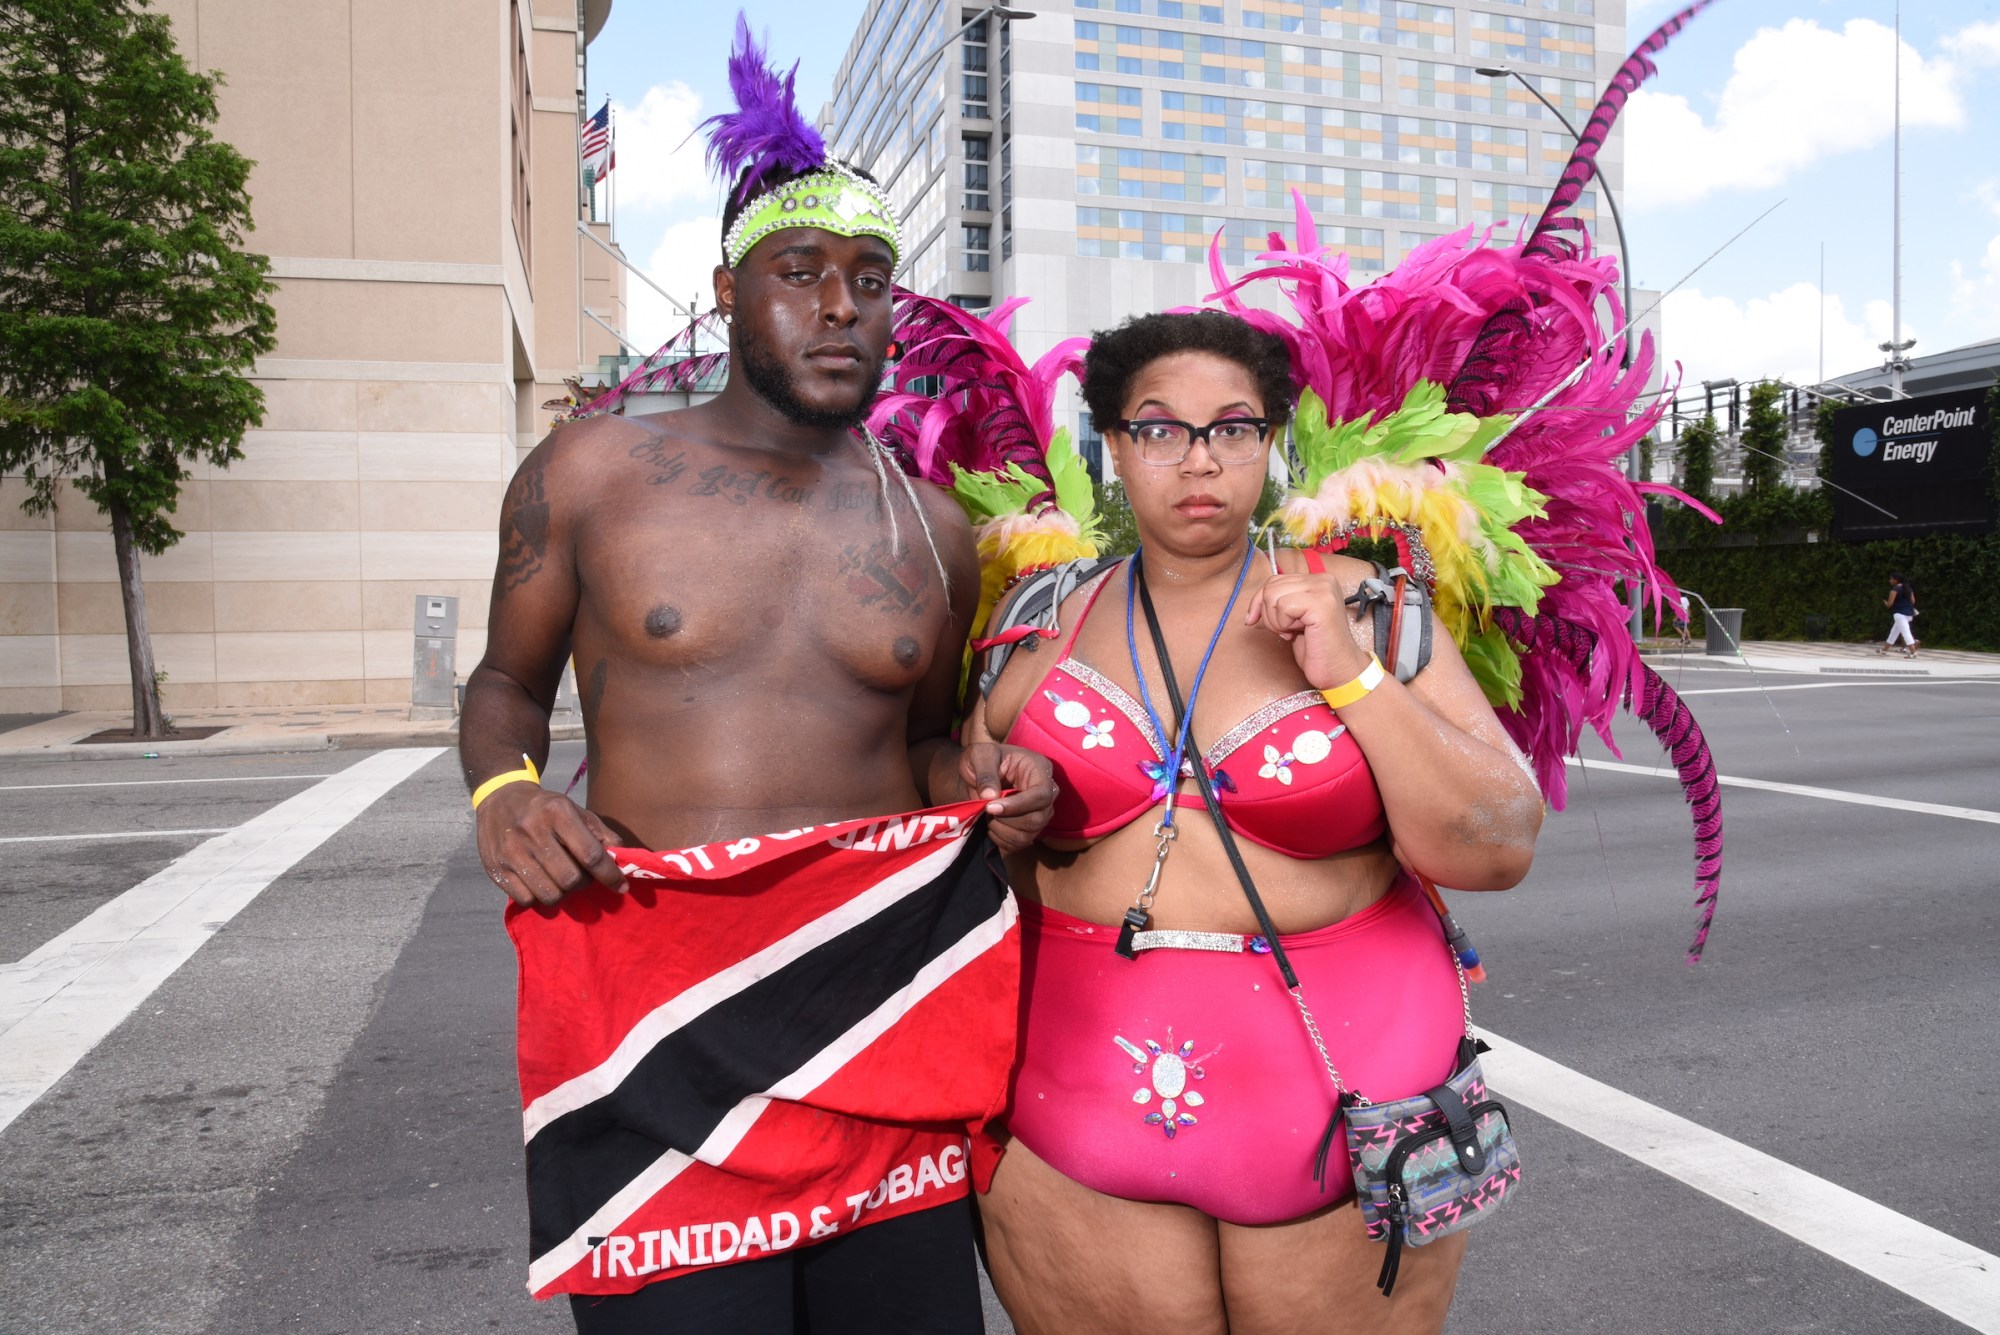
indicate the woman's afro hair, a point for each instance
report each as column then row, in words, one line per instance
column 1116, row 356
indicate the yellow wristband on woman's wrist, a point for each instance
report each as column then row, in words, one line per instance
column 526, row 774
column 1339, row 697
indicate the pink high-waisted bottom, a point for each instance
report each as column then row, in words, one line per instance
column 1220, row 1039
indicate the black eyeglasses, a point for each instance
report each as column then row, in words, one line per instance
column 1167, row 440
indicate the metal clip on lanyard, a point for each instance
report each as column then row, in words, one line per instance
column 1140, row 914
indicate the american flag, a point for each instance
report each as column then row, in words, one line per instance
column 599, row 154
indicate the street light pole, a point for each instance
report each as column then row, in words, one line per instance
column 866, row 158
column 1637, row 623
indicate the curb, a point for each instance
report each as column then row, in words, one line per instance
column 223, row 744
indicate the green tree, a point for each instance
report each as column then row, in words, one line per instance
column 1763, row 439
column 1697, row 449
column 1823, row 433
column 128, row 311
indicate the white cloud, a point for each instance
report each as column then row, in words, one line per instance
column 1974, row 313
column 684, row 264
column 1795, row 94
column 659, row 155
column 1717, row 338
column 1976, row 44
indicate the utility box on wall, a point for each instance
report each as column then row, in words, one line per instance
column 434, row 668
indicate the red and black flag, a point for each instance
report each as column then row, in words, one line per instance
column 764, row 1043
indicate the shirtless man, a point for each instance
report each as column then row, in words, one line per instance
column 767, row 626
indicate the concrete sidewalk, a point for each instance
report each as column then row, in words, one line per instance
column 371, row 727
column 247, row 731
column 1858, row 660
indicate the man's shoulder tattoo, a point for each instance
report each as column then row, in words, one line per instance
column 524, row 524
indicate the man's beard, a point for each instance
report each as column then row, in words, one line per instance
column 774, row 384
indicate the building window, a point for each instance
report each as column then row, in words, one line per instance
column 1090, row 446
column 1007, row 233
column 976, row 148
column 978, row 248
column 521, row 137
column 972, row 82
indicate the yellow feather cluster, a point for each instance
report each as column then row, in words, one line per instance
column 1371, row 492
column 1013, row 545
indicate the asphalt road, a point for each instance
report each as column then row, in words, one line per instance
column 312, row 1124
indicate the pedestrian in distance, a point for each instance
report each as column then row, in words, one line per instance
column 769, row 620
column 1902, row 604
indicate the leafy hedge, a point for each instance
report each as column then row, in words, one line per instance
column 1761, row 561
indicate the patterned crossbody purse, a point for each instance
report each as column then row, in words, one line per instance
column 1424, row 1166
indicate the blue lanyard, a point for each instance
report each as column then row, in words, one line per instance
column 1167, row 777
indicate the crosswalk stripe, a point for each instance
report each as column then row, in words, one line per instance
column 60, row 1001
column 1935, row 1268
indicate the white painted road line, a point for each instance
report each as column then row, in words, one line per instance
column 60, row 1001
column 144, row 783
column 1831, row 685
column 121, row 834
column 1935, row 1268
column 1800, row 790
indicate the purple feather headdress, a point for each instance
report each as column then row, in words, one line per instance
column 765, row 138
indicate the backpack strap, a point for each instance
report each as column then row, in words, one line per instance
column 1030, row 609
column 1401, row 610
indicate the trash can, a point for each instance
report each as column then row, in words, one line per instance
column 1725, row 630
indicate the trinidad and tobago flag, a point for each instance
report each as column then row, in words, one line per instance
column 762, row 1044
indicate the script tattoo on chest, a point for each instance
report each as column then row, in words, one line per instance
column 879, row 577
column 743, row 487
column 524, row 526
column 666, row 466
column 843, row 496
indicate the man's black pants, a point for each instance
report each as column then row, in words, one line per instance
column 913, row 1275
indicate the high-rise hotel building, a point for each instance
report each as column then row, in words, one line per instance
column 1085, row 157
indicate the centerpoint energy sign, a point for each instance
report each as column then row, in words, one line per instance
column 1913, row 466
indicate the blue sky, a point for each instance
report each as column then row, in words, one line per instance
column 1757, row 101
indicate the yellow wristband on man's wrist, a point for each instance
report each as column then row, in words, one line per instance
column 1339, row 697
column 526, row 774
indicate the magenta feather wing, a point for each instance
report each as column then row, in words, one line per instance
column 962, row 395
column 1553, row 642
column 1582, row 165
column 676, row 366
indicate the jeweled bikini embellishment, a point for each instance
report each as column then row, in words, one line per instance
column 1308, row 748
column 1171, row 1070
column 1076, row 714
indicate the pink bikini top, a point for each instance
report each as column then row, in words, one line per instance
column 1288, row 777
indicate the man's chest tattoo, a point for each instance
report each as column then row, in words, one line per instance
column 849, row 496
column 665, row 465
column 877, row 576
column 524, row 526
column 742, row 487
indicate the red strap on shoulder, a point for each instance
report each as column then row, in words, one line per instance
column 1314, row 561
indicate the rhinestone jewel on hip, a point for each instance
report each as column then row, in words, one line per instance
column 1171, row 1069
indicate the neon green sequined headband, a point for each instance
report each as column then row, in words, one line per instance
column 830, row 198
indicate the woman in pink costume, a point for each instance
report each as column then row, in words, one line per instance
column 1167, row 1108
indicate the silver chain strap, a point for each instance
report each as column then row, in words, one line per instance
column 1332, row 1072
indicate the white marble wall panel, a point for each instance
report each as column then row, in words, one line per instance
column 27, row 556
column 468, row 555
column 328, row 655
column 296, row 456
column 30, row 660
column 101, row 660
column 436, row 456
column 287, row 556
column 87, row 556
